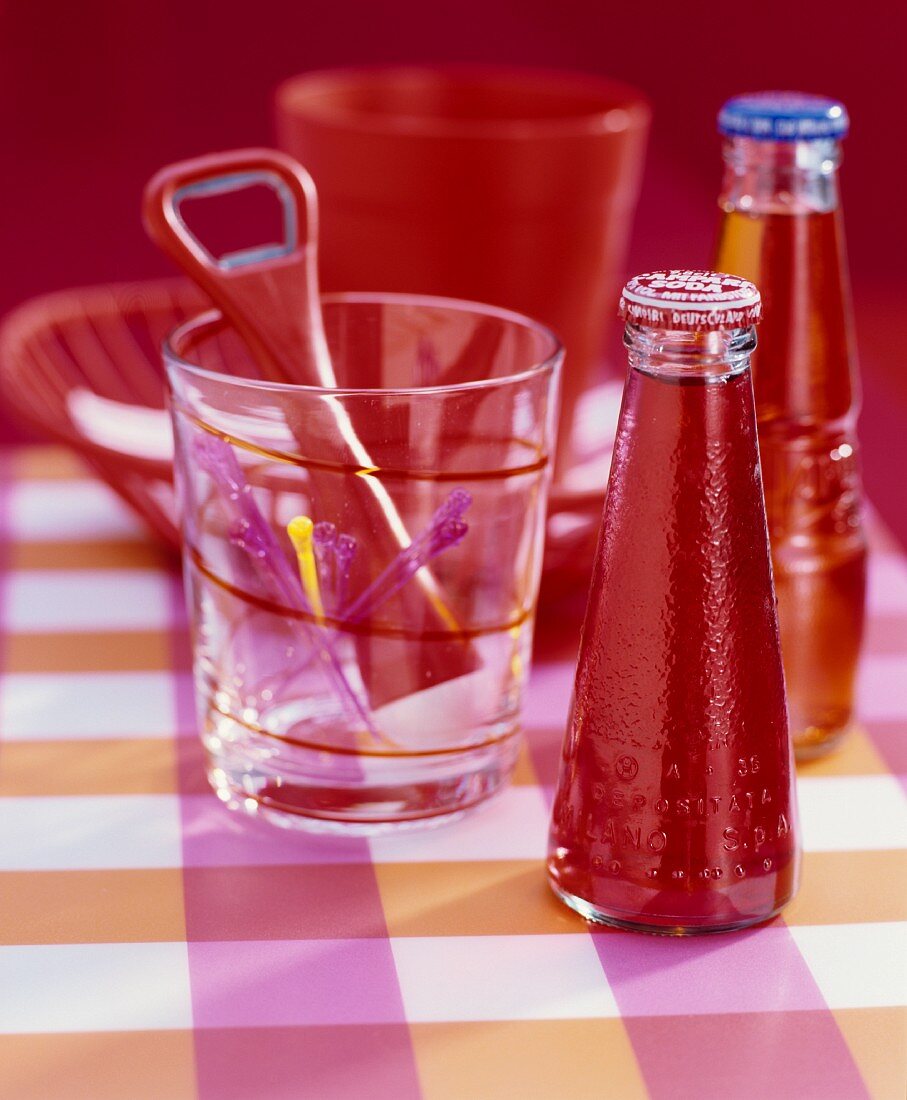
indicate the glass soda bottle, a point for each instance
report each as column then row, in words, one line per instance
column 781, row 227
column 675, row 809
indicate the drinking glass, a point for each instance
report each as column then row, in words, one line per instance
column 362, row 563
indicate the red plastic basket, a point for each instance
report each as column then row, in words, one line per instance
column 103, row 340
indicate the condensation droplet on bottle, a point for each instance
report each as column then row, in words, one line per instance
column 740, row 870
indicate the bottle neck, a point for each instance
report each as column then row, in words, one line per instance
column 780, row 177
column 679, row 354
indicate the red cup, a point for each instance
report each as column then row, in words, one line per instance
column 508, row 186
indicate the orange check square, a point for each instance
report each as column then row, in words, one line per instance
column 850, row 888
column 141, row 1065
column 529, row 1059
column 109, row 553
column 139, row 766
column 88, row 651
column 123, row 906
column 493, row 898
column 48, row 464
column 877, row 1038
column 856, row 756
column 524, row 772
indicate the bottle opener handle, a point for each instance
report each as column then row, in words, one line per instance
column 269, row 292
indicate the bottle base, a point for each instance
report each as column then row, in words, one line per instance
column 816, row 742
column 662, row 926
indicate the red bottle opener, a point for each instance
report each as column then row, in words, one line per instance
column 269, row 293
column 270, row 296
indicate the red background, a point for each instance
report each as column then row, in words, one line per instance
column 95, row 96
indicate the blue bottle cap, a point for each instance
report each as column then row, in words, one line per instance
column 783, row 116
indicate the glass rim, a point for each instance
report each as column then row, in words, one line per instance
column 622, row 107
column 215, row 317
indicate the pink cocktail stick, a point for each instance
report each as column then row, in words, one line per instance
column 251, row 532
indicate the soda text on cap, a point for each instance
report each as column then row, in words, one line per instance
column 690, row 300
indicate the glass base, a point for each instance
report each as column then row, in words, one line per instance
column 815, row 743
column 629, row 922
column 357, row 795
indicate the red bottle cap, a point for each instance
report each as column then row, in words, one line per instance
column 690, row 300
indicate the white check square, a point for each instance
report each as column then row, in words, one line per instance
column 38, row 706
column 882, row 686
column 852, row 813
column 557, row 977
column 512, row 825
column 69, row 511
column 86, row 599
column 887, row 588
column 73, row 833
column 94, row 987
column 856, row 965
column 547, row 701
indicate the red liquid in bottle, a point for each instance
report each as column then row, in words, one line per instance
column 675, row 808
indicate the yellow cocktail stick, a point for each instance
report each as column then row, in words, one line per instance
column 300, row 532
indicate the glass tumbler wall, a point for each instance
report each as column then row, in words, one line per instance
column 362, row 563
column 781, row 227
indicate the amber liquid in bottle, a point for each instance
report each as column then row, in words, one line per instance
column 787, row 237
column 675, row 810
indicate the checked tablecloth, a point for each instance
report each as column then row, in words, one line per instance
column 154, row 946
